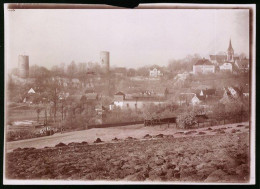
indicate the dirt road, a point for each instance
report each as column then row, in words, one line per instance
column 107, row 134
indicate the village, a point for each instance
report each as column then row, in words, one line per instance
column 76, row 96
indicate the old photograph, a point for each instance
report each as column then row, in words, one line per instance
column 156, row 94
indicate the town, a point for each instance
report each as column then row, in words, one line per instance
column 79, row 96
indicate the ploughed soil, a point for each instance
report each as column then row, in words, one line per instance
column 208, row 155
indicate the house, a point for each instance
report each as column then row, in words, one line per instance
column 227, row 66
column 207, row 95
column 188, row 99
column 203, row 66
column 155, row 73
column 30, row 96
column 119, row 99
column 229, row 93
column 136, row 101
column 243, row 64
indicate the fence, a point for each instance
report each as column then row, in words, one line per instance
column 114, row 124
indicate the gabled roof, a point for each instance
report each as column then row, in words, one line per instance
column 204, row 62
column 120, row 93
column 31, row 91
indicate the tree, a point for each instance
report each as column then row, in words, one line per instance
column 38, row 111
column 72, row 70
column 53, row 91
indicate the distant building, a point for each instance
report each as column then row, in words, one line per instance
column 23, row 65
column 188, row 99
column 228, row 56
column 243, row 64
column 203, row 66
column 229, row 93
column 137, row 101
column 227, row 66
column 155, row 73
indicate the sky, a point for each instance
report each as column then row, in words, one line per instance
column 134, row 37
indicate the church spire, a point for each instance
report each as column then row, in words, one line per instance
column 230, row 52
column 230, row 48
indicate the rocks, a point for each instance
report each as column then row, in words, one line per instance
column 235, row 130
column 115, row 139
column 159, row 136
column 179, row 132
column 98, row 140
column 60, row 145
column 190, row 132
column 130, row 138
column 147, row 136
column 73, row 144
column 216, row 176
column 84, row 142
column 159, row 161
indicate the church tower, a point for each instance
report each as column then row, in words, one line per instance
column 230, row 52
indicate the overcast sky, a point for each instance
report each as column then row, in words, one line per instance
column 133, row 37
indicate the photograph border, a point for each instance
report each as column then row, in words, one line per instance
column 252, row 58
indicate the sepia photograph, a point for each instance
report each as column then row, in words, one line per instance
column 157, row 94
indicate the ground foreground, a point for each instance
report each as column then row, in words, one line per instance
column 198, row 157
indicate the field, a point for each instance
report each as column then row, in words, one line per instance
column 215, row 154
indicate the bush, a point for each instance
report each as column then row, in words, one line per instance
column 186, row 120
column 19, row 135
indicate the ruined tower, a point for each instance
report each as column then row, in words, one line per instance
column 23, row 65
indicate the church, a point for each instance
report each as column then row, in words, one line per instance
column 228, row 61
column 221, row 58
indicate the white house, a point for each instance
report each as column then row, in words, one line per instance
column 227, row 66
column 189, row 98
column 155, row 73
column 203, row 66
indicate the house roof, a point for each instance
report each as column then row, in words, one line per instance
column 187, row 96
column 120, row 93
column 219, row 58
column 203, row 62
column 31, row 91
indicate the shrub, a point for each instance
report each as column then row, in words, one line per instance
column 186, row 120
